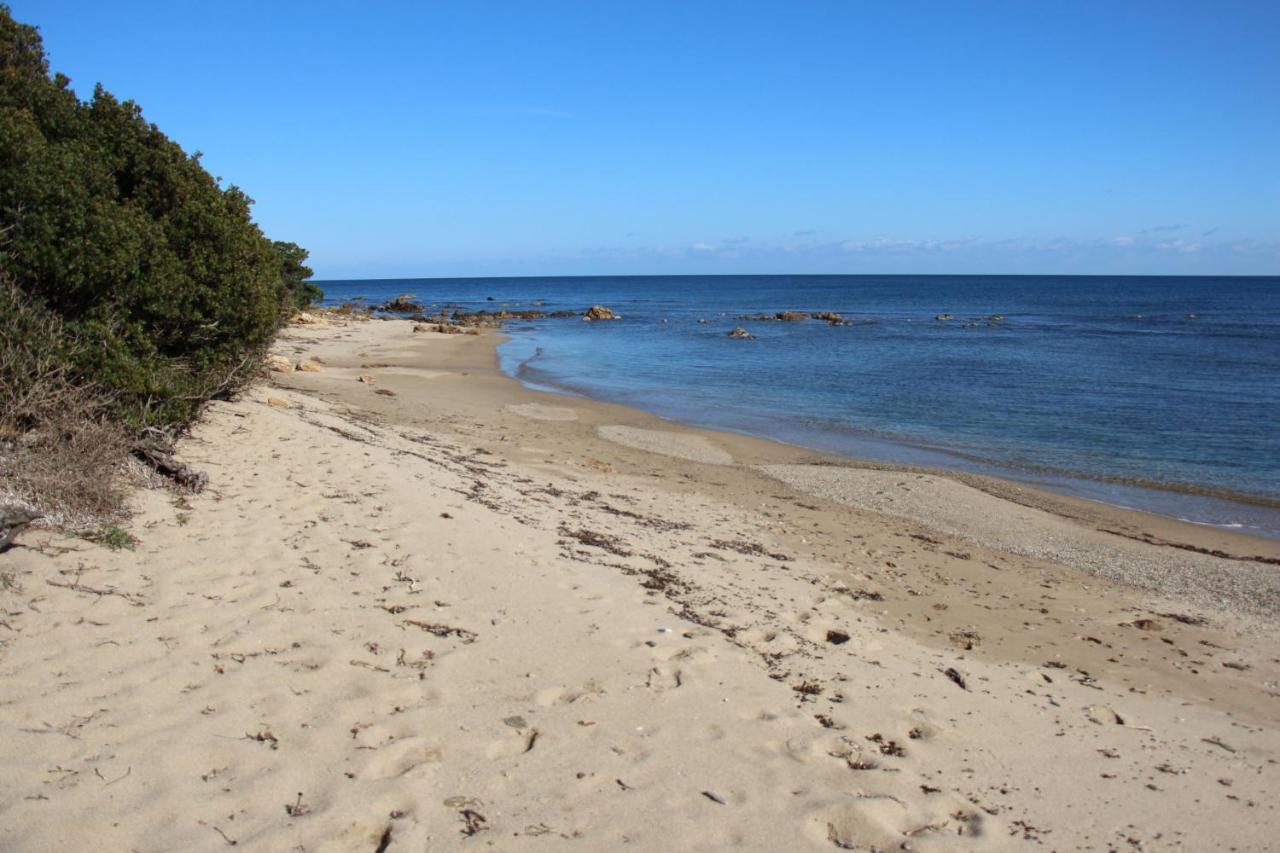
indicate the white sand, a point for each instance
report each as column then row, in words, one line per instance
column 681, row 445
column 419, row 636
column 542, row 412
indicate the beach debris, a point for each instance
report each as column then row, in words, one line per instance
column 384, row 842
column 76, row 586
column 384, row 392
column 748, row 548
column 1143, row 625
column 741, row 334
column 279, row 364
column 954, row 674
column 1218, row 742
column 276, row 402
column 308, row 367
column 440, row 630
column 367, row 379
column 808, row 688
column 265, row 736
column 231, row 841
column 714, row 797
column 887, row 747
column 600, row 312
column 1184, row 618
column 612, row 544
column 1103, row 716
column 297, row 808
column 156, row 449
column 472, row 822
column 515, row 722
column 837, row 638
column 965, row 638
column 13, row 520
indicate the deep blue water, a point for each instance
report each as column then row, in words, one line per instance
column 1105, row 387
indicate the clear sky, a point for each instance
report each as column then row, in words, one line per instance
column 539, row 138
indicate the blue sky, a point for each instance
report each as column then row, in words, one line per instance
column 494, row 138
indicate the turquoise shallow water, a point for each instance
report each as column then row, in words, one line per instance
column 1158, row 393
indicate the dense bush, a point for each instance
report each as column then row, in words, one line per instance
column 157, row 272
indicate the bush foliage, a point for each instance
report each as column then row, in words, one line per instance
column 156, row 272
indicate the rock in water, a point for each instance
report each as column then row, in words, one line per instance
column 13, row 519
column 402, row 304
column 741, row 334
column 599, row 312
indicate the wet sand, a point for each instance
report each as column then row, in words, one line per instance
column 465, row 613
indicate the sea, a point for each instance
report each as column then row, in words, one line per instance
column 1155, row 393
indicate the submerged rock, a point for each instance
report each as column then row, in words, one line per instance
column 944, row 317
column 741, row 334
column 599, row 312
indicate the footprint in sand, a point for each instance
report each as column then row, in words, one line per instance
column 885, row 822
column 402, row 757
column 513, row 743
column 567, row 696
column 358, row 835
column 663, row 678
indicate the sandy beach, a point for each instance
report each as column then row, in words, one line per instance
column 421, row 607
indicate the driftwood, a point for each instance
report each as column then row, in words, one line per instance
column 157, row 451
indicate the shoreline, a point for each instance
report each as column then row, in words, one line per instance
column 1093, row 510
column 1150, row 494
column 420, row 602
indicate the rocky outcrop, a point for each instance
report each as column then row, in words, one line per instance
column 308, row 367
column 792, row 316
column 279, row 364
column 741, row 334
column 402, row 304
column 13, row 520
column 944, row 317
column 600, row 312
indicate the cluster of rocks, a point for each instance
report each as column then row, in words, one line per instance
column 402, row 304
column 991, row 320
column 832, row 318
column 741, row 334
column 280, row 364
column 445, row 329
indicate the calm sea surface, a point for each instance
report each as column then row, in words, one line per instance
column 1157, row 393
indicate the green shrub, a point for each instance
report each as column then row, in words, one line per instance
column 158, row 272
